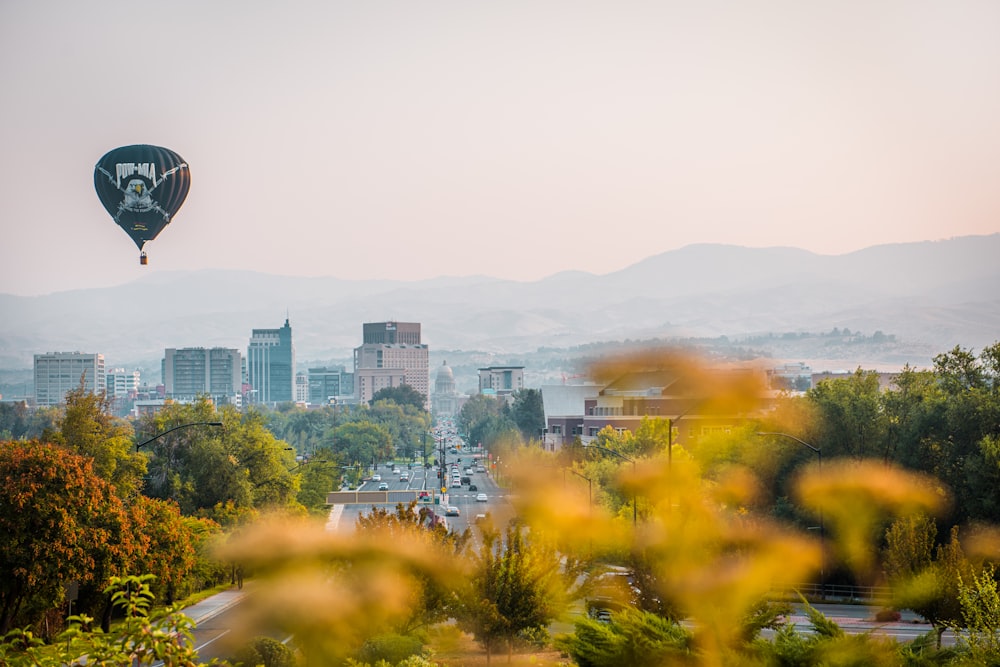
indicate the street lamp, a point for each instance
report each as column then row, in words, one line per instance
column 623, row 458
column 171, row 430
column 819, row 465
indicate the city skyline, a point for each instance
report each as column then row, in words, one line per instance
column 513, row 141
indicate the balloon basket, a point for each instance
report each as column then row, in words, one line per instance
column 142, row 259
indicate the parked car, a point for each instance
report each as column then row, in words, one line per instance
column 481, row 498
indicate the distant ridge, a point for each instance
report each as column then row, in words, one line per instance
column 932, row 295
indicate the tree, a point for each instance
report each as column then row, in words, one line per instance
column 361, row 442
column 980, row 602
column 226, row 474
column 143, row 638
column 166, row 546
column 61, row 522
column 633, row 637
column 432, row 601
column 934, row 591
column 528, row 413
column 404, row 394
column 851, row 416
column 510, row 590
column 88, row 428
column 482, row 420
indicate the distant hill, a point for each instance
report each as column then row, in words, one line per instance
column 929, row 296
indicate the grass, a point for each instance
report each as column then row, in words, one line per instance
column 453, row 648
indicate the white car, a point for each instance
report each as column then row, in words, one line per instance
column 482, row 498
column 376, row 477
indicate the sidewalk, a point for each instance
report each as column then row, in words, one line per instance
column 215, row 604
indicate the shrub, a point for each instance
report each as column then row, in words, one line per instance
column 265, row 651
column 390, row 648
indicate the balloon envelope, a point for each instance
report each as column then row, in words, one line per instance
column 142, row 187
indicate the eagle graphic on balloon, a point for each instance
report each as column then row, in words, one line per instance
column 142, row 187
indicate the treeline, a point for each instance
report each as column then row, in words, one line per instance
column 87, row 496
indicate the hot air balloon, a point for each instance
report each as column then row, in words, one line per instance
column 142, row 187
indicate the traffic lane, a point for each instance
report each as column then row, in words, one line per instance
column 219, row 637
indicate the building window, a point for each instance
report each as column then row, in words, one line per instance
column 556, row 429
column 593, row 431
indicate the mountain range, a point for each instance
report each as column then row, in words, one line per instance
column 927, row 297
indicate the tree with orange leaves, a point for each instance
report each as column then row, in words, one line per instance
column 61, row 522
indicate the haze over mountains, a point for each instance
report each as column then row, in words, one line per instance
column 931, row 296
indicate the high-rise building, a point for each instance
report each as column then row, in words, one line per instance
column 271, row 365
column 391, row 355
column 330, row 385
column 122, row 383
column 58, row 372
column 501, row 381
column 189, row 372
column 301, row 387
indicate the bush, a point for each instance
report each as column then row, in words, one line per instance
column 888, row 616
column 390, row 648
column 265, row 651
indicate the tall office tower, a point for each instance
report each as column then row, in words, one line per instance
column 391, row 355
column 330, row 385
column 189, row 372
column 122, row 383
column 58, row 372
column 501, row 381
column 271, row 365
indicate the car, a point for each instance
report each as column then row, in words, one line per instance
column 456, row 483
column 481, row 498
column 383, row 487
column 376, row 477
column 451, row 511
column 468, row 471
column 404, row 477
column 465, row 480
column 480, row 469
column 473, row 487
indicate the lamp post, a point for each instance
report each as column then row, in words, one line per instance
column 171, row 430
column 623, row 458
column 819, row 465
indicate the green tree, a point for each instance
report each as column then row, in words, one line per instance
column 431, row 600
column 14, row 420
column 483, row 420
column 980, row 602
column 632, row 637
column 226, row 474
column 87, row 427
column 852, row 420
column 404, row 394
column 934, row 593
column 361, row 442
column 528, row 413
column 510, row 590
column 144, row 637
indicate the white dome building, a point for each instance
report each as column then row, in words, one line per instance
column 445, row 401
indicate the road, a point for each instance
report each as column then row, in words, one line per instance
column 343, row 518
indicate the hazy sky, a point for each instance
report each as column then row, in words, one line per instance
column 408, row 139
